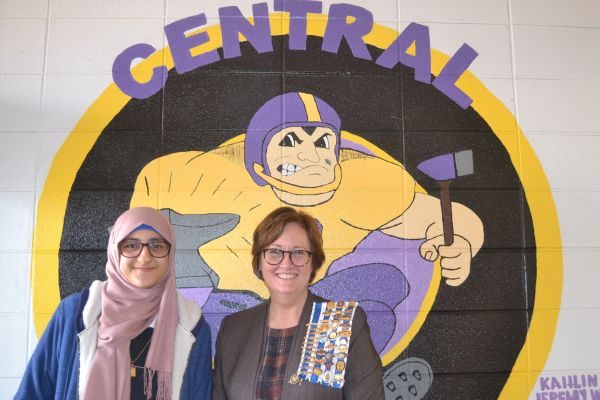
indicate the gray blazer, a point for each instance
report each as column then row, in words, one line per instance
column 241, row 346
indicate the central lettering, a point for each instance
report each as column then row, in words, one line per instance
column 345, row 22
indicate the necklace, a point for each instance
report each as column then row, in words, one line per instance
column 133, row 366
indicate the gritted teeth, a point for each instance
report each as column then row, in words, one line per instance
column 288, row 169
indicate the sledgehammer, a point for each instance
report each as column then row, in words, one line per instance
column 444, row 169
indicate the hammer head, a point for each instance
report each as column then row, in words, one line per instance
column 448, row 166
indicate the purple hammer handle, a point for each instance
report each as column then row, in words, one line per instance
column 446, row 206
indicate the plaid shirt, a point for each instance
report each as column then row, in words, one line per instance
column 272, row 372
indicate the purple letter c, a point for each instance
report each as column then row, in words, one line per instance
column 122, row 76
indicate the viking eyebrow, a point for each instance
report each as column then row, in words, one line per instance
column 323, row 135
column 310, row 129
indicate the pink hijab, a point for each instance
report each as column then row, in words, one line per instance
column 127, row 310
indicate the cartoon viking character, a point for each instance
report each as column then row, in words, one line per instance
column 378, row 228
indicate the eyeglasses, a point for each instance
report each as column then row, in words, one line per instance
column 298, row 257
column 132, row 249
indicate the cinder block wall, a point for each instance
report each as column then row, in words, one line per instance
column 539, row 57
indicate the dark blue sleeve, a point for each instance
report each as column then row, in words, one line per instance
column 197, row 381
column 52, row 357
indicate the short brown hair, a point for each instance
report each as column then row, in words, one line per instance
column 272, row 226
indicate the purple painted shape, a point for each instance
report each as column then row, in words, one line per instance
column 397, row 52
column 298, row 10
column 357, row 283
column 233, row 23
column 402, row 254
column 337, row 28
column 382, row 322
column 121, row 73
column 456, row 66
column 440, row 168
column 199, row 295
column 181, row 45
column 348, row 144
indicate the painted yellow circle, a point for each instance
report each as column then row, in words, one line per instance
column 53, row 200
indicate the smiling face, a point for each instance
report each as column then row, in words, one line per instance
column 286, row 279
column 303, row 156
column 144, row 271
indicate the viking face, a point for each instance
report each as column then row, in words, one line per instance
column 303, row 156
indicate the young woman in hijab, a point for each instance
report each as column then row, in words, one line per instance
column 131, row 336
column 295, row 345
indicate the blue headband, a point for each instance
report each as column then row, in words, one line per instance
column 144, row 227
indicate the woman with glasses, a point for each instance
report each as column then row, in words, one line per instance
column 295, row 345
column 131, row 336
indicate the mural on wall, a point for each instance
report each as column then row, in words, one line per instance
column 406, row 160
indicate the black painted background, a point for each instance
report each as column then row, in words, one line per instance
column 474, row 332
